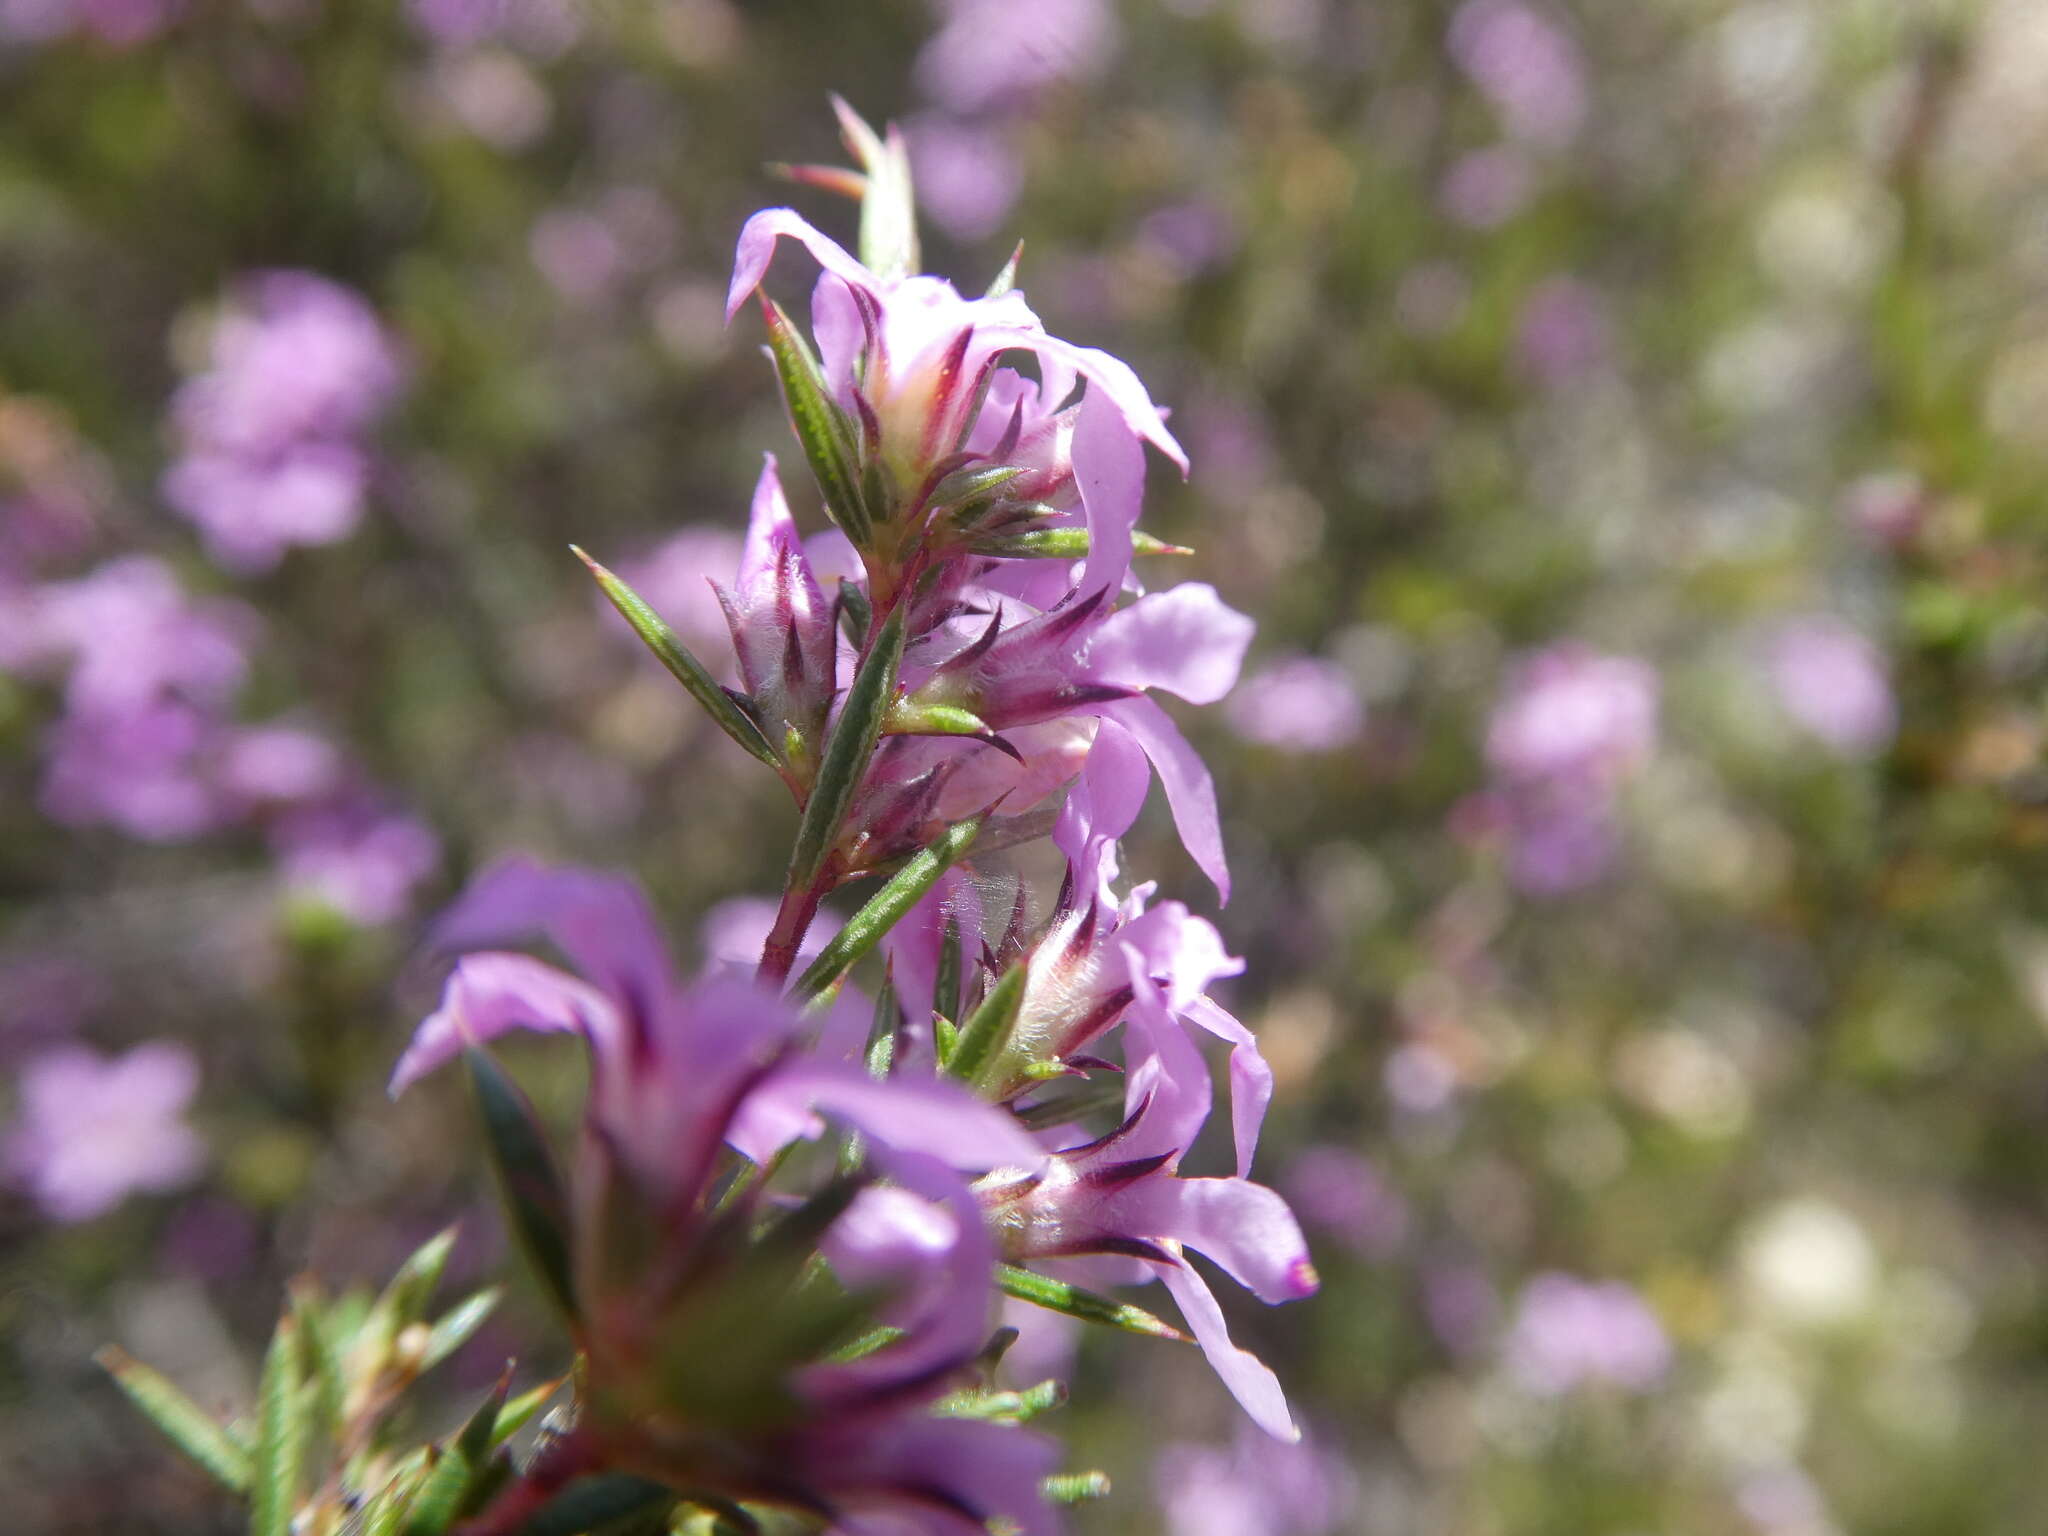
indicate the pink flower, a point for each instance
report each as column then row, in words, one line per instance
column 1569, row 1333
column 1297, row 704
column 1832, row 682
column 90, row 1130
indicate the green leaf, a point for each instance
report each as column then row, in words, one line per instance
column 983, row 1046
column 1088, row 1306
column 459, row 1477
column 880, row 1054
column 847, row 753
column 1003, row 1407
column 281, row 1414
column 595, row 1502
column 326, row 1381
column 1062, row 544
column 821, row 428
column 455, row 1327
column 687, row 670
column 904, row 889
column 1075, row 1487
column 527, row 1179
column 411, row 1290
column 188, row 1425
column 908, row 719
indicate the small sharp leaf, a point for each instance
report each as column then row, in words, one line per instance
column 979, row 1053
column 821, row 428
column 594, row 1503
column 1088, row 1306
column 867, row 927
column 686, row 669
column 281, row 1412
column 458, row 1325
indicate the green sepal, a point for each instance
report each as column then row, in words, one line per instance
column 320, row 1363
column 946, row 982
column 985, row 1037
column 685, row 668
column 527, row 1178
column 1088, row 1306
column 190, row 1428
column 519, row 1412
column 821, row 428
column 847, row 754
column 1006, row 279
column 1075, row 1487
column 880, row 1054
column 1068, row 1107
column 887, row 907
column 282, row 1411
column 595, row 1503
column 908, row 719
column 460, row 1478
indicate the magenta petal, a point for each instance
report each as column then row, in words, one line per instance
column 1186, row 640
column 1245, row 1227
column 1249, row 1379
column 921, row 1476
column 1109, row 469
column 757, row 249
column 488, row 994
column 1106, row 799
column 934, row 1119
column 601, row 922
column 1190, row 792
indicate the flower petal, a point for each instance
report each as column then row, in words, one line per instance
column 1186, row 640
column 757, row 249
column 1245, row 1227
column 1249, row 1379
column 1190, row 792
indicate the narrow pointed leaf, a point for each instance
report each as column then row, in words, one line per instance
column 848, row 753
column 1003, row 1407
column 985, row 1037
column 458, row 1325
column 281, row 1413
column 1066, row 1108
column 596, row 1502
column 880, row 1055
column 525, row 1168
column 189, row 1426
column 1062, row 544
column 453, row 1487
column 867, row 927
column 319, row 1361
column 674, row 655
column 1088, row 1306
column 821, row 428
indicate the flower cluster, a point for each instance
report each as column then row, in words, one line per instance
column 793, row 1209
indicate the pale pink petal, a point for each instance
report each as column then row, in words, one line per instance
column 1190, row 792
column 490, row 993
column 757, row 249
column 1249, row 1379
column 1186, row 640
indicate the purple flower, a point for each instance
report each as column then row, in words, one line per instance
column 1563, row 332
column 1486, row 188
column 681, row 1078
column 355, row 854
column 1527, row 65
column 1569, row 1333
column 1254, row 1487
column 90, row 1130
column 1570, row 711
column 1831, row 681
column 991, row 55
column 298, row 371
column 1343, row 1193
column 140, row 768
column 1298, row 704
column 968, row 174
column 1121, row 1195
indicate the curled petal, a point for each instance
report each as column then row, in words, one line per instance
column 1251, row 1077
column 1104, row 803
column 1112, row 377
column 1109, row 469
column 932, row 1119
column 757, row 249
column 488, row 994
